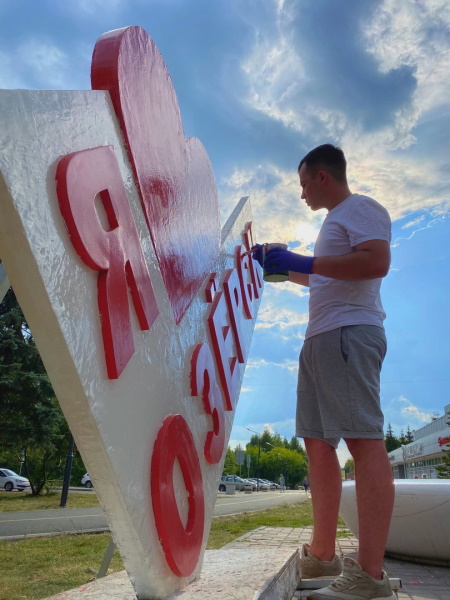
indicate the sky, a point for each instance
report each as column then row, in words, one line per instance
column 262, row 82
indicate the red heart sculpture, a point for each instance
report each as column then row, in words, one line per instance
column 173, row 174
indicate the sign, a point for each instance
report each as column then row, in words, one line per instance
column 413, row 449
column 442, row 441
column 141, row 308
column 249, row 458
column 240, row 457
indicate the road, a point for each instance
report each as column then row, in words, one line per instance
column 15, row 525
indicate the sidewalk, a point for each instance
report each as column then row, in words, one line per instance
column 419, row 581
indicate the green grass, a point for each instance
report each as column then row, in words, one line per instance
column 37, row 568
column 226, row 529
column 14, row 501
column 40, row 567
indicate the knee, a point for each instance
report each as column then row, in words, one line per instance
column 319, row 449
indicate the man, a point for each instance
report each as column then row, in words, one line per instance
column 281, row 482
column 306, row 483
column 339, row 372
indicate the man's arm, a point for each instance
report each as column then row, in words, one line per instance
column 300, row 278
column 369, row 260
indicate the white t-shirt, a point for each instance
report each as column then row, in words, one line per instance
column 334, row 303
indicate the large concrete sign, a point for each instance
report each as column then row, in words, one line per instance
column 142, row 309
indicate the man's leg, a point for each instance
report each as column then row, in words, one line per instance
column 375, row 499
column 325, row 484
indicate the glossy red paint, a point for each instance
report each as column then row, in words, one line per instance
column 203, row 383
column 245, row 270
column 174, row 175
column 255, row 269
column 181, row 545
column 232, row 289
column 116, row 253
column 222, row 340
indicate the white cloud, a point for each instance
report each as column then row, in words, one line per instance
column 428, row 225
column 256, row 364
column 270, row 316
column 414, row 222
column 46, row 61
column 413, row 412
column 9, row 78
column 414, row 34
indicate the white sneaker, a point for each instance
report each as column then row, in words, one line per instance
column 355, row 584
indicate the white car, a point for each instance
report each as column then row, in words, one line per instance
column 9, row 480
column 86, row 481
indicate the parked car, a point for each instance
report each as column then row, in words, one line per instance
column 238, row 482
column 9, row 480
column 263, row 484
column 86, row 481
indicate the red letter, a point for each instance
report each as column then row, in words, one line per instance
column 222, row 340
column 203, row 382
column 116, row 253
column 232, row 289
column 181, row 545
column 254, row 267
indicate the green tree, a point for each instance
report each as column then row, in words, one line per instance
column 32, row 426
column 409, row 435
column 390, row 441
column 349, row 467
column 229, row 466
column 443, row 470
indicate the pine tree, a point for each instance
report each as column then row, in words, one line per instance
column 390, row 441
column 409, row 436
column 32, row 424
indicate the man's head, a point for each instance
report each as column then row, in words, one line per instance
column 323, row 177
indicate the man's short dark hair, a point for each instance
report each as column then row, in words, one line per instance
column 329, row 158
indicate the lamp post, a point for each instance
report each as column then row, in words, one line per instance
column 259, row 452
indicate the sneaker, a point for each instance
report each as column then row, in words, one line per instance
column 355, row 584
column 313, row 568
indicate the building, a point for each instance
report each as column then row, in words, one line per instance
column 422, row 456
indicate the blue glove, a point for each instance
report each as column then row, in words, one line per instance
column 259, row 254
column 279, row 259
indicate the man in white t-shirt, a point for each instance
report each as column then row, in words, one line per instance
column 339, row 372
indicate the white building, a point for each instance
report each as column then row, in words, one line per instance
column 422, row 456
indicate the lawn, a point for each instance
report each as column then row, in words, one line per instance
column 18, row 501
column 37, row 568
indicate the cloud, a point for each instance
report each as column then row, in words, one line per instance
column 9, row 78
column 414, row 222
column 417, row 221
column 414, row 34
column 46, row 60
column 279, row 316
column 255, row 364
column 413, row 412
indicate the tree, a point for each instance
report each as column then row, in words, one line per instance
column 409, row 435
column 229, row 466
column 32, row 424
column 390, row 441
column 443, row 470
column 349, row 467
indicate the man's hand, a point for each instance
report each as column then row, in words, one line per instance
column 279, row 259
column 258, row 253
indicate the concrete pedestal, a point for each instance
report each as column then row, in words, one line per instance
column 266, row 574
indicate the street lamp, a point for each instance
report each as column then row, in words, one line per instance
column 259, row 452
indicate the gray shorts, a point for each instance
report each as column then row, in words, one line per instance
column 338, row 394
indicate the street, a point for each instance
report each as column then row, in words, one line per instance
column 15, row 525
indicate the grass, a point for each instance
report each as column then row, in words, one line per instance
column 15, row 501
column 37, row 568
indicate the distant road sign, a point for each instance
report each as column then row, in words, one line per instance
column 240, row 456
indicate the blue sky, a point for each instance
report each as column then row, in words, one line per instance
column 261, row 82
